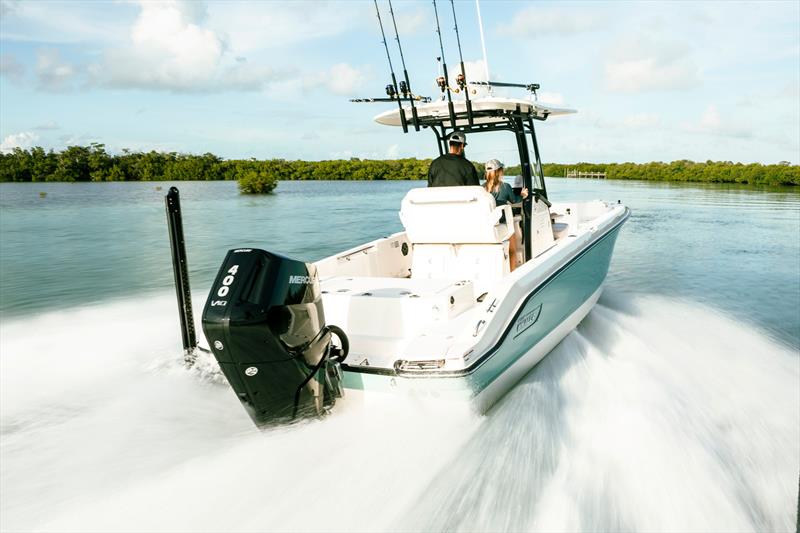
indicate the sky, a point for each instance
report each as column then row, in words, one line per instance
column 651, row 81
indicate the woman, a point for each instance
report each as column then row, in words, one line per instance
column 503, row 194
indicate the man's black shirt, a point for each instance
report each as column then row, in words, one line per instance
column 451, row 170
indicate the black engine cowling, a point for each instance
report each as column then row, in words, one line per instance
column 266, row 327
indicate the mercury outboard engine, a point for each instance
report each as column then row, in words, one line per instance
column 266, row 326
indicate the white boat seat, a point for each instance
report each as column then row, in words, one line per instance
column 456, row 234
column 560, row 230
column 454, row 215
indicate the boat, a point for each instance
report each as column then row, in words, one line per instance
column 433, row 310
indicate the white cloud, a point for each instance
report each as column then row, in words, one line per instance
column 551, row 98
column 249, row 26
column 62, row 22
column 643, row 63
column 642, row 121
column 475, row 70
column 535, row 21
column 790, row 91
column 648, row 75
column 76, row 139
column 23, row 139
column 170, row 49
column 344, row 79
column 346, row 154
column 410, row 23
column 7, row 7
column 52, row 73
column 49, row 125
column 712, row 122
column 11, row 68
column 341, row 78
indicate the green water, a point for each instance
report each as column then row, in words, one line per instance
column 736, row 249
column 673, row 406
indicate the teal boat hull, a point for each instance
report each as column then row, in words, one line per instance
column 547, row 314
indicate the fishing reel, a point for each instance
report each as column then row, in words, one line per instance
column 404, row 90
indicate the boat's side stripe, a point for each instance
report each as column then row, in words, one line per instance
column 491, row 351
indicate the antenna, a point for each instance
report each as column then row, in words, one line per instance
column 405, row 90
column 483, row 42
column 391, row 90
column 446, row 85
column 461, row 80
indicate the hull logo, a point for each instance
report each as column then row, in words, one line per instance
column 527, row 320
column 251, row 371
column 300, row 279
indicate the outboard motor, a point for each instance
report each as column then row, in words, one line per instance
column 266, row 326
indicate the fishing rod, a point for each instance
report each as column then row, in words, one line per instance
column 404, row 89
column 391, row 90
column 461, row 80
column 483, row 42
column 444, row 83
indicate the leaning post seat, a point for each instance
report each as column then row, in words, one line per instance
column 455, row 233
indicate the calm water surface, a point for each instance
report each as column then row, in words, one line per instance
column 734, row 248
column 674, row 406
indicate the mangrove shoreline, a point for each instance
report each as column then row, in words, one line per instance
column 94, row 163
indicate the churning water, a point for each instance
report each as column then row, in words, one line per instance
column 674, row 406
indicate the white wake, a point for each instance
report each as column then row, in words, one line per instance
column 655, row 415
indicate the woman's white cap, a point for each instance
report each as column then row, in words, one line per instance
column 493, row 164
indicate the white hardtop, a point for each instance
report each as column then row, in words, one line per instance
column 439, row 110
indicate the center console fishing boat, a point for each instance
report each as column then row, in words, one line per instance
column 433, row 309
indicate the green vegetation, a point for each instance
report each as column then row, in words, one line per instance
column 708, row 172
column 256, row 182
column 93, row 163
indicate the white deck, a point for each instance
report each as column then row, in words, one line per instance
column 442, row 291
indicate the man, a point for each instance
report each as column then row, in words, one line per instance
column 453, row 169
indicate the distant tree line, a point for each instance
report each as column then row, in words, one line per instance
column 708, row 172
column 94, row 163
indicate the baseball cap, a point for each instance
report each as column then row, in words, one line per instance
column 458, row 137
column 494, row 164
